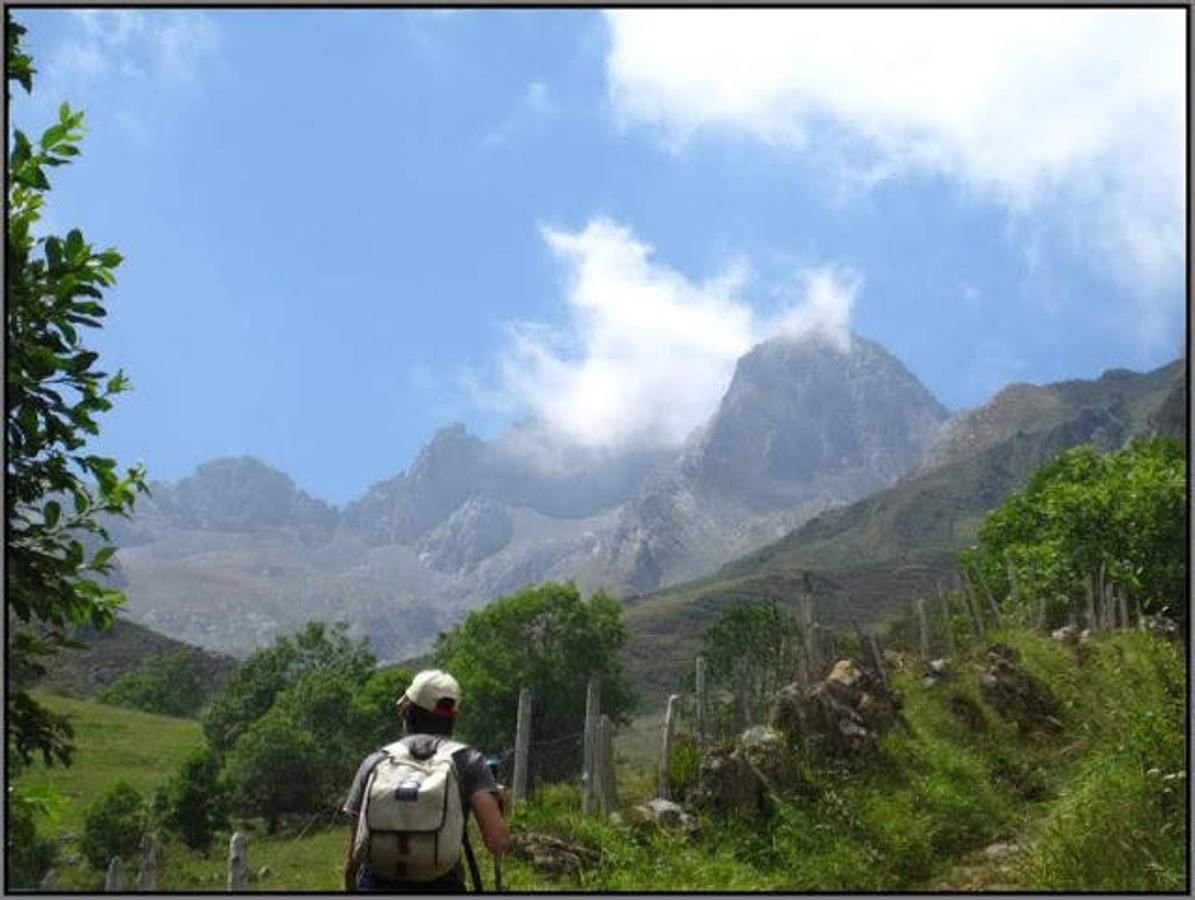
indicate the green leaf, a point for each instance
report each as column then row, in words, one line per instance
column 74, row 244
column 102, row 556
column 53, row 253
column 52, row 136
column 52, row 511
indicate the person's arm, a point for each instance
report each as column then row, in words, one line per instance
column 494, row 830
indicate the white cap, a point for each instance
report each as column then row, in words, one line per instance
column 431, row 686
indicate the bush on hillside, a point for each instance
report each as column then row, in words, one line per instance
column 28, row 855
column 374, row 705
column 321, row 706
column 113, row 826
column 170, row 684
column 550, row 640
column 1123, row 513
column 194, row 803
column 274, row 769
column 752, row 651
column 253, row 687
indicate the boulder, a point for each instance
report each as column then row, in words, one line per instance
column 1015, row 694
column 663, row 812
column 1067, row 634
column 1161, row 626
column 770, row 756
column 552, row 855
column 842, row 713
column 727, row 782
column 938, row 670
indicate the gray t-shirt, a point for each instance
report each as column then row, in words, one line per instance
column 473, row 775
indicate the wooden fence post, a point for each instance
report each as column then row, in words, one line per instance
column 1124, row 608
column 609, row 794
column 147, row 879
column 947, row 629
column 238, row 862
column 809, row 654
column 1013, row 587
column 872, row 657
column 666, row 747
column 1101, row 597
column 1092, row 622
column 589, row 774
column 114, row 881
column 972, row 607
column 522, row 747
column 702, row 698
column 991, row 598
column 923, row 627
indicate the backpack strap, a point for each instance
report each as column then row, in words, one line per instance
column 472, row 861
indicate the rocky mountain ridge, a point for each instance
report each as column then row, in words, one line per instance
column 236, row 553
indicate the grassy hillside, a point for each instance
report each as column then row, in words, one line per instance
column 864, row 561
column 112, row 745
column 1095, row 805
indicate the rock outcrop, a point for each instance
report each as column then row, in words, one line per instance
column 841, row 714
column 552, row 855
column 1015, row 694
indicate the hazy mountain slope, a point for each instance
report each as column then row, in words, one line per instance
column 804, row 425
column 123, row 648
column 864, row 560
column 235, row 554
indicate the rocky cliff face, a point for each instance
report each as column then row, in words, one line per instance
column 236, row 553
column 803, row 426
column 800, row 414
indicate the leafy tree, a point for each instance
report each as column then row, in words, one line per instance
column 55, row 490
column 321, row 705
column 548, row 639
column 194, row 804
column 29, row 854
column 274, row 769
column 113, row 826
column 374, row 706
column 753, row 648
column 1123, row 511
column 170, row 684
column 253, row 687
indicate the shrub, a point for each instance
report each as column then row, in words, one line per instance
column 550, row 640
column 28, row 854
column 113, row 826
column 170, row 684
column 194, row 804
column 274, row 769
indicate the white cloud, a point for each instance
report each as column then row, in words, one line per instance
column 647, row 354
column 164, row 46
column 1076, row 109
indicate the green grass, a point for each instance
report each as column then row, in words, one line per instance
column 939, row 789
column 111, row 745
column 1092, row 803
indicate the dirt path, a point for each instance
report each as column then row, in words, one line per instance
column 991, row 869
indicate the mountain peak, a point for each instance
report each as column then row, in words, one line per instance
column 800, row 409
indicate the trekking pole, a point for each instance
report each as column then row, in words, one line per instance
column 498, row 874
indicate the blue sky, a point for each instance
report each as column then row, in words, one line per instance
column 344, row 229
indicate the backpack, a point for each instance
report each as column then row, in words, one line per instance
column 413, row 820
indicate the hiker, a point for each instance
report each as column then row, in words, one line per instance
column 407, row 831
